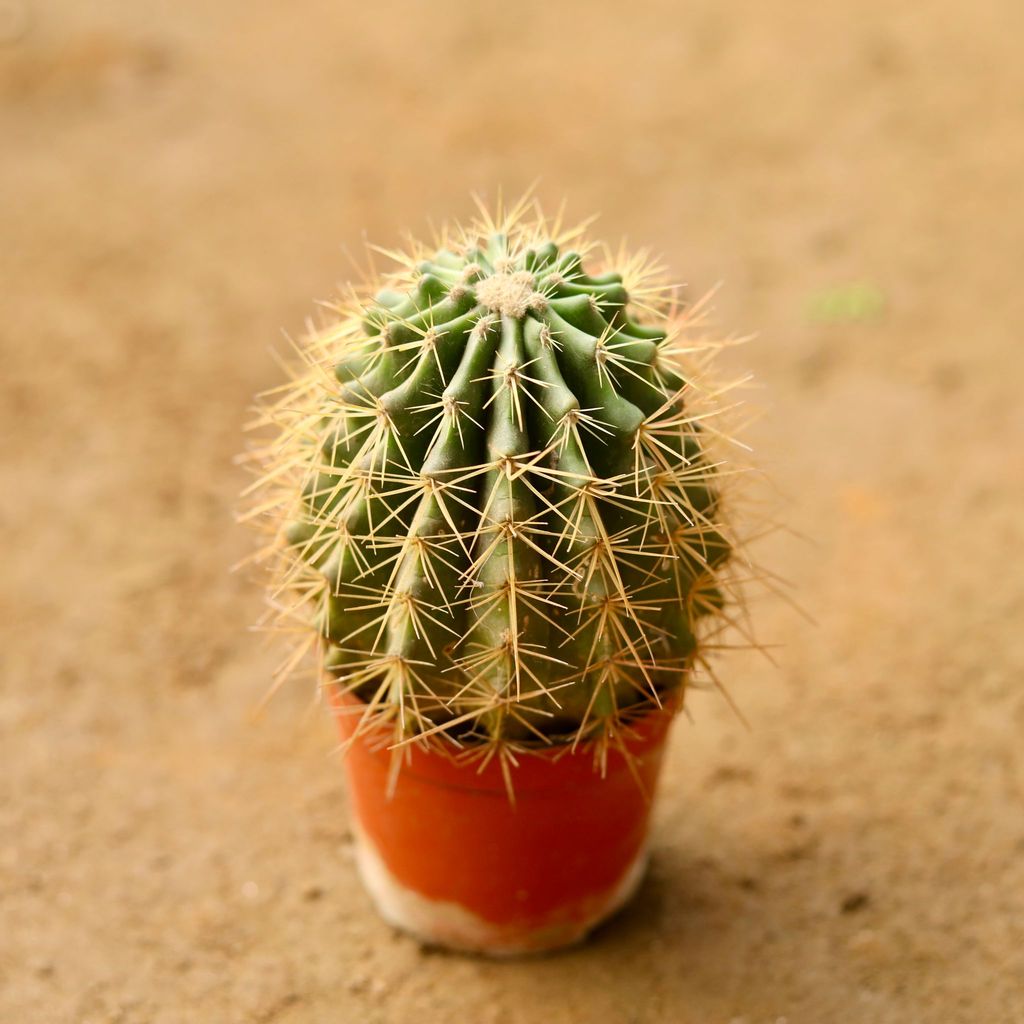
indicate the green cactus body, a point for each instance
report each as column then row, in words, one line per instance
column 501, row 510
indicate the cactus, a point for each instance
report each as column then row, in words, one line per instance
column 492, row 494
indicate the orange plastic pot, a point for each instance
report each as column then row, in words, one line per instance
column 449, row 858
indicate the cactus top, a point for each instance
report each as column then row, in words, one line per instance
column 501, row 515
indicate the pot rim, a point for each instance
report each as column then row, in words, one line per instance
column 510, row 768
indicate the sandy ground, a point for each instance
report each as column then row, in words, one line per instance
column 179, row 181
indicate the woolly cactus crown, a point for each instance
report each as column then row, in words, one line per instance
column 491, row 491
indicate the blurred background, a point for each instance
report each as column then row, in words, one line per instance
column 179, row 183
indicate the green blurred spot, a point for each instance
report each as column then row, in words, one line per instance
column 847, row 304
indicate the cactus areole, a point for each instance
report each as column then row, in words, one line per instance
column 494, row 502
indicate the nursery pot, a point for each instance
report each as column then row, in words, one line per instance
column 447, row 856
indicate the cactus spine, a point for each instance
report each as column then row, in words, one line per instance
column 491, row 490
